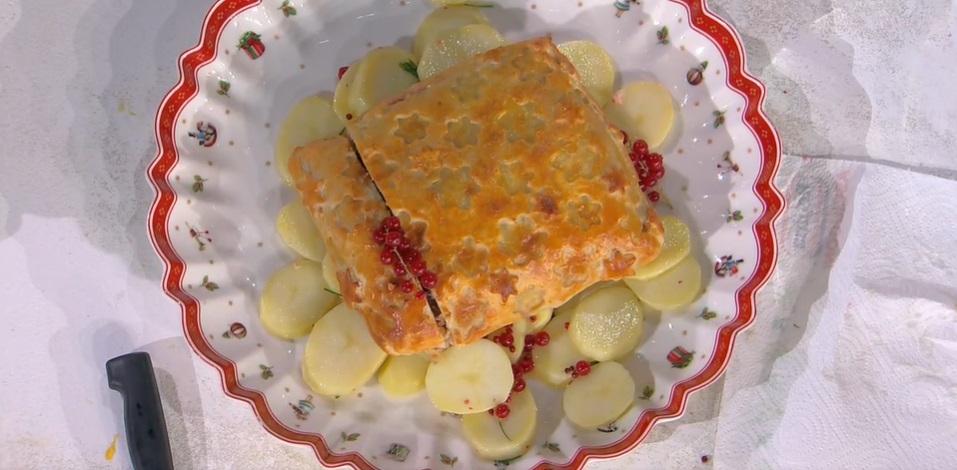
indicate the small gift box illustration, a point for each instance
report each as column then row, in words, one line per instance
column 679, row 357
column 252, row 44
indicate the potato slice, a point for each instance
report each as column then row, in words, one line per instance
column 293, row 299
column 676, row 247
column 552, row 359
column 457, row 45
column 469, row 378
column 403, row 375
column 441, row 21
column 380, row 75
column 310, row 119
column 538, row 320
column 645, row 110
column 494, row 438
column 600, row 397
column 341, row 103
column 329, row 273
column 607, row 325
column 296, row 227
column 340, row 354
column 675, row 288
column 594, row 66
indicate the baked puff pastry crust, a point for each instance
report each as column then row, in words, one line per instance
column 514, row 182
column 347, row 208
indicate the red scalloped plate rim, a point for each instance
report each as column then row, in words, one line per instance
column 702, row 20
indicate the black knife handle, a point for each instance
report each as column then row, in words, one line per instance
column 132, row 376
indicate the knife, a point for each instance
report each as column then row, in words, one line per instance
column 132, row 375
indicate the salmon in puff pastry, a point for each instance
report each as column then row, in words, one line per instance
column 347, row 209
column 512, row 183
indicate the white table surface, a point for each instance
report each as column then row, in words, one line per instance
column 851, row 365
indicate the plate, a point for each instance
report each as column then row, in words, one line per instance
column 217, row 196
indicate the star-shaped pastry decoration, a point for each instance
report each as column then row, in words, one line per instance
column 574, row 268
column 572, row 164
column 521, row 239
column 513, row 177
column 454, row 187
column 469, row 308
column 521, row 122
column 350, row 214
column 619, row 265
column 615, row 180
column 411, row 128
column 503, row 283
column 529, row 301
column 462, row 132
column 585, row 212
column 471, row 258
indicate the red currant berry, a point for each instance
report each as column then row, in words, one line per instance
column 420, row 294
column 387, row 257
column 409, row 254
column 532, row 318
column 417, row 267
column 527, row 365
column 528, row 346
column 502, row 411
column 511, row 349
column 516, row 370
column 508, row 339
column 654, row 196
column 659, row 173
column 491, row 411
column 404, row 244
column 378, row 237
column 566, row 325
column 519, row 385
column 399, row 269
column 640, row 147
column 342, row 71
column 582, row 367
column 541, row 338
column 428, row 279
column 407, row 286
column 393, row 239
column 391, row 223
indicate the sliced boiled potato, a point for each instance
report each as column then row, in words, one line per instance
column 341, row 103
column 294, row 298
column 607, row 325
column 380, row 75
column 311, row 119
column 457, row 45
column 469, row 378
column 296, row 227
column 517, row 330
column 674, row 288
column 645, row 111
column 403, row 375
column 497, row 439
column 340, row 354
column 600, row 397
column 538, row 320
column 552, row 359
column 593, row 65
column 329, row 273
column 442, row 20
column 676, row 247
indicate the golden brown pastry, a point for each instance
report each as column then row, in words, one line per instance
column 512, row 182
column 347, row 209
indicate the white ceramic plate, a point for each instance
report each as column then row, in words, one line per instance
column 217, row 196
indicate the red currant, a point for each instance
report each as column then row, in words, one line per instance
column 407, row 286
column 527, row 365
column 516, row 370
column 532, row 318
column 508, row 339
column 582, row 367
column 387, row 257
column 511, row 349
column 654, row 196
column 378, row 237
column 640, row 147
column 393, row 239
column 502, row 411
column 404, row 244
column 420, row 294
column 428, row 279
column 542, row 338
column 519, row 385
column 409, row 254
column 417, row 267
column 342, row 71
column 566, row 325
column 391, row 223
column 399, row 269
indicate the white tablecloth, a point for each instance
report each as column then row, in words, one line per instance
column 852, row 363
